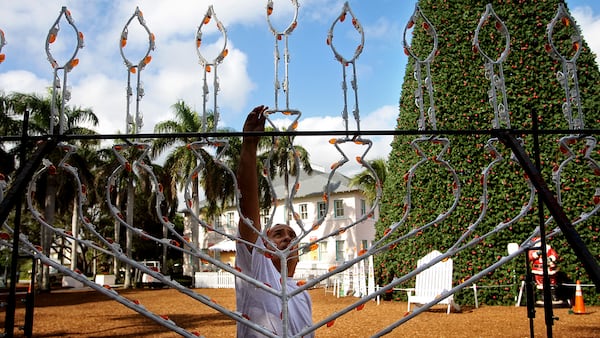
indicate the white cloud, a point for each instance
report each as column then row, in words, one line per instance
column 589, row 23
column 22, row 81
column 101, row 93
column 325, row 154
column 383, row 28
column 100, row 79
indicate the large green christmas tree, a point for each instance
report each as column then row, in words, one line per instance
column 462, row 108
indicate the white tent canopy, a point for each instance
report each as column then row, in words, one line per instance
column 225, row 245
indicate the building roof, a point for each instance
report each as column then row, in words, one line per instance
column 310, row 185
column 313, row 184
column 224, row 245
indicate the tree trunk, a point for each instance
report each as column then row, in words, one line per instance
column 46, row 234
column 164, row 251
column 117, row 235
column 286, row 180
column 129, row 235
column 75, row 231
column 196, row 235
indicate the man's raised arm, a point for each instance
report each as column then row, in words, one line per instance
column 247, row 176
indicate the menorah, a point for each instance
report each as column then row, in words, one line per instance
column 134, row 162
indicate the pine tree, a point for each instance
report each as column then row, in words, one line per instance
column 462, row 106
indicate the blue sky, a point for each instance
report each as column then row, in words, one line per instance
column 247, row 73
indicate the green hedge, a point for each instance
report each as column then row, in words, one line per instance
column 461, row 96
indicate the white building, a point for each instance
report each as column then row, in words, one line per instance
column 347, row 206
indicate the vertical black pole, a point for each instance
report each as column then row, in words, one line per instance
column 548, row 312
column 29, row 302
column 12, row 294
column 529, row 294
column 9, row 323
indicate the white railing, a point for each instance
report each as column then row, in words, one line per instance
column 214, row 280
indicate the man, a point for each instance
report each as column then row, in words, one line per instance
column 262, row 258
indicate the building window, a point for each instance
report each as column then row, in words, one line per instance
column 303, row 211
column 264, row 216
column 338, row 208
column 304, row 257
column 339, row 251
column 322, row 250
column 218, row 224
column 364, row 244
column 321, row 209
column 229, row 217
column 363, row 207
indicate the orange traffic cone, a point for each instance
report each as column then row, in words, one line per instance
column 579, row 307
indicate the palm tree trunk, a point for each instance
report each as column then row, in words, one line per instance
column 198, row 231
column 164, row 251
column 286, row 180
column 46, row 234
column 117, row 236
column 129, row 235
column 75, row 231
column 191, row 228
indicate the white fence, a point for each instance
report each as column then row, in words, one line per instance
column 214, row 280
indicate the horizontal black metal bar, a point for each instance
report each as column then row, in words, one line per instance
column 350, row 134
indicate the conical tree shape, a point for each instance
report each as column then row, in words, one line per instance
column 445, row 200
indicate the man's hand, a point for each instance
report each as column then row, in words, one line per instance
column 292, row 261
column 255, row 122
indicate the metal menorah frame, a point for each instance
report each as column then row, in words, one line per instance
column 37, row 165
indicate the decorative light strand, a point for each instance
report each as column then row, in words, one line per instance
column 418, row 16
column 345, row 62
column 2, row 44
column 567, row 77
column 282, row 35
column 210, row 66
column 442, row 143
column 134, row 124
column 497, row 93
column 65, row 68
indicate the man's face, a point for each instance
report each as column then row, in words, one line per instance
column 281, row 235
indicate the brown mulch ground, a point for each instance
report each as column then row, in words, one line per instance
column 86, row 313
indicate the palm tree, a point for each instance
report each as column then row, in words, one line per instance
column 39, row 123
column 281, row 158
column 8, row 125
column 367, row 182
column 182, row 161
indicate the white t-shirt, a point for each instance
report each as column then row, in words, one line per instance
column 264, row 308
